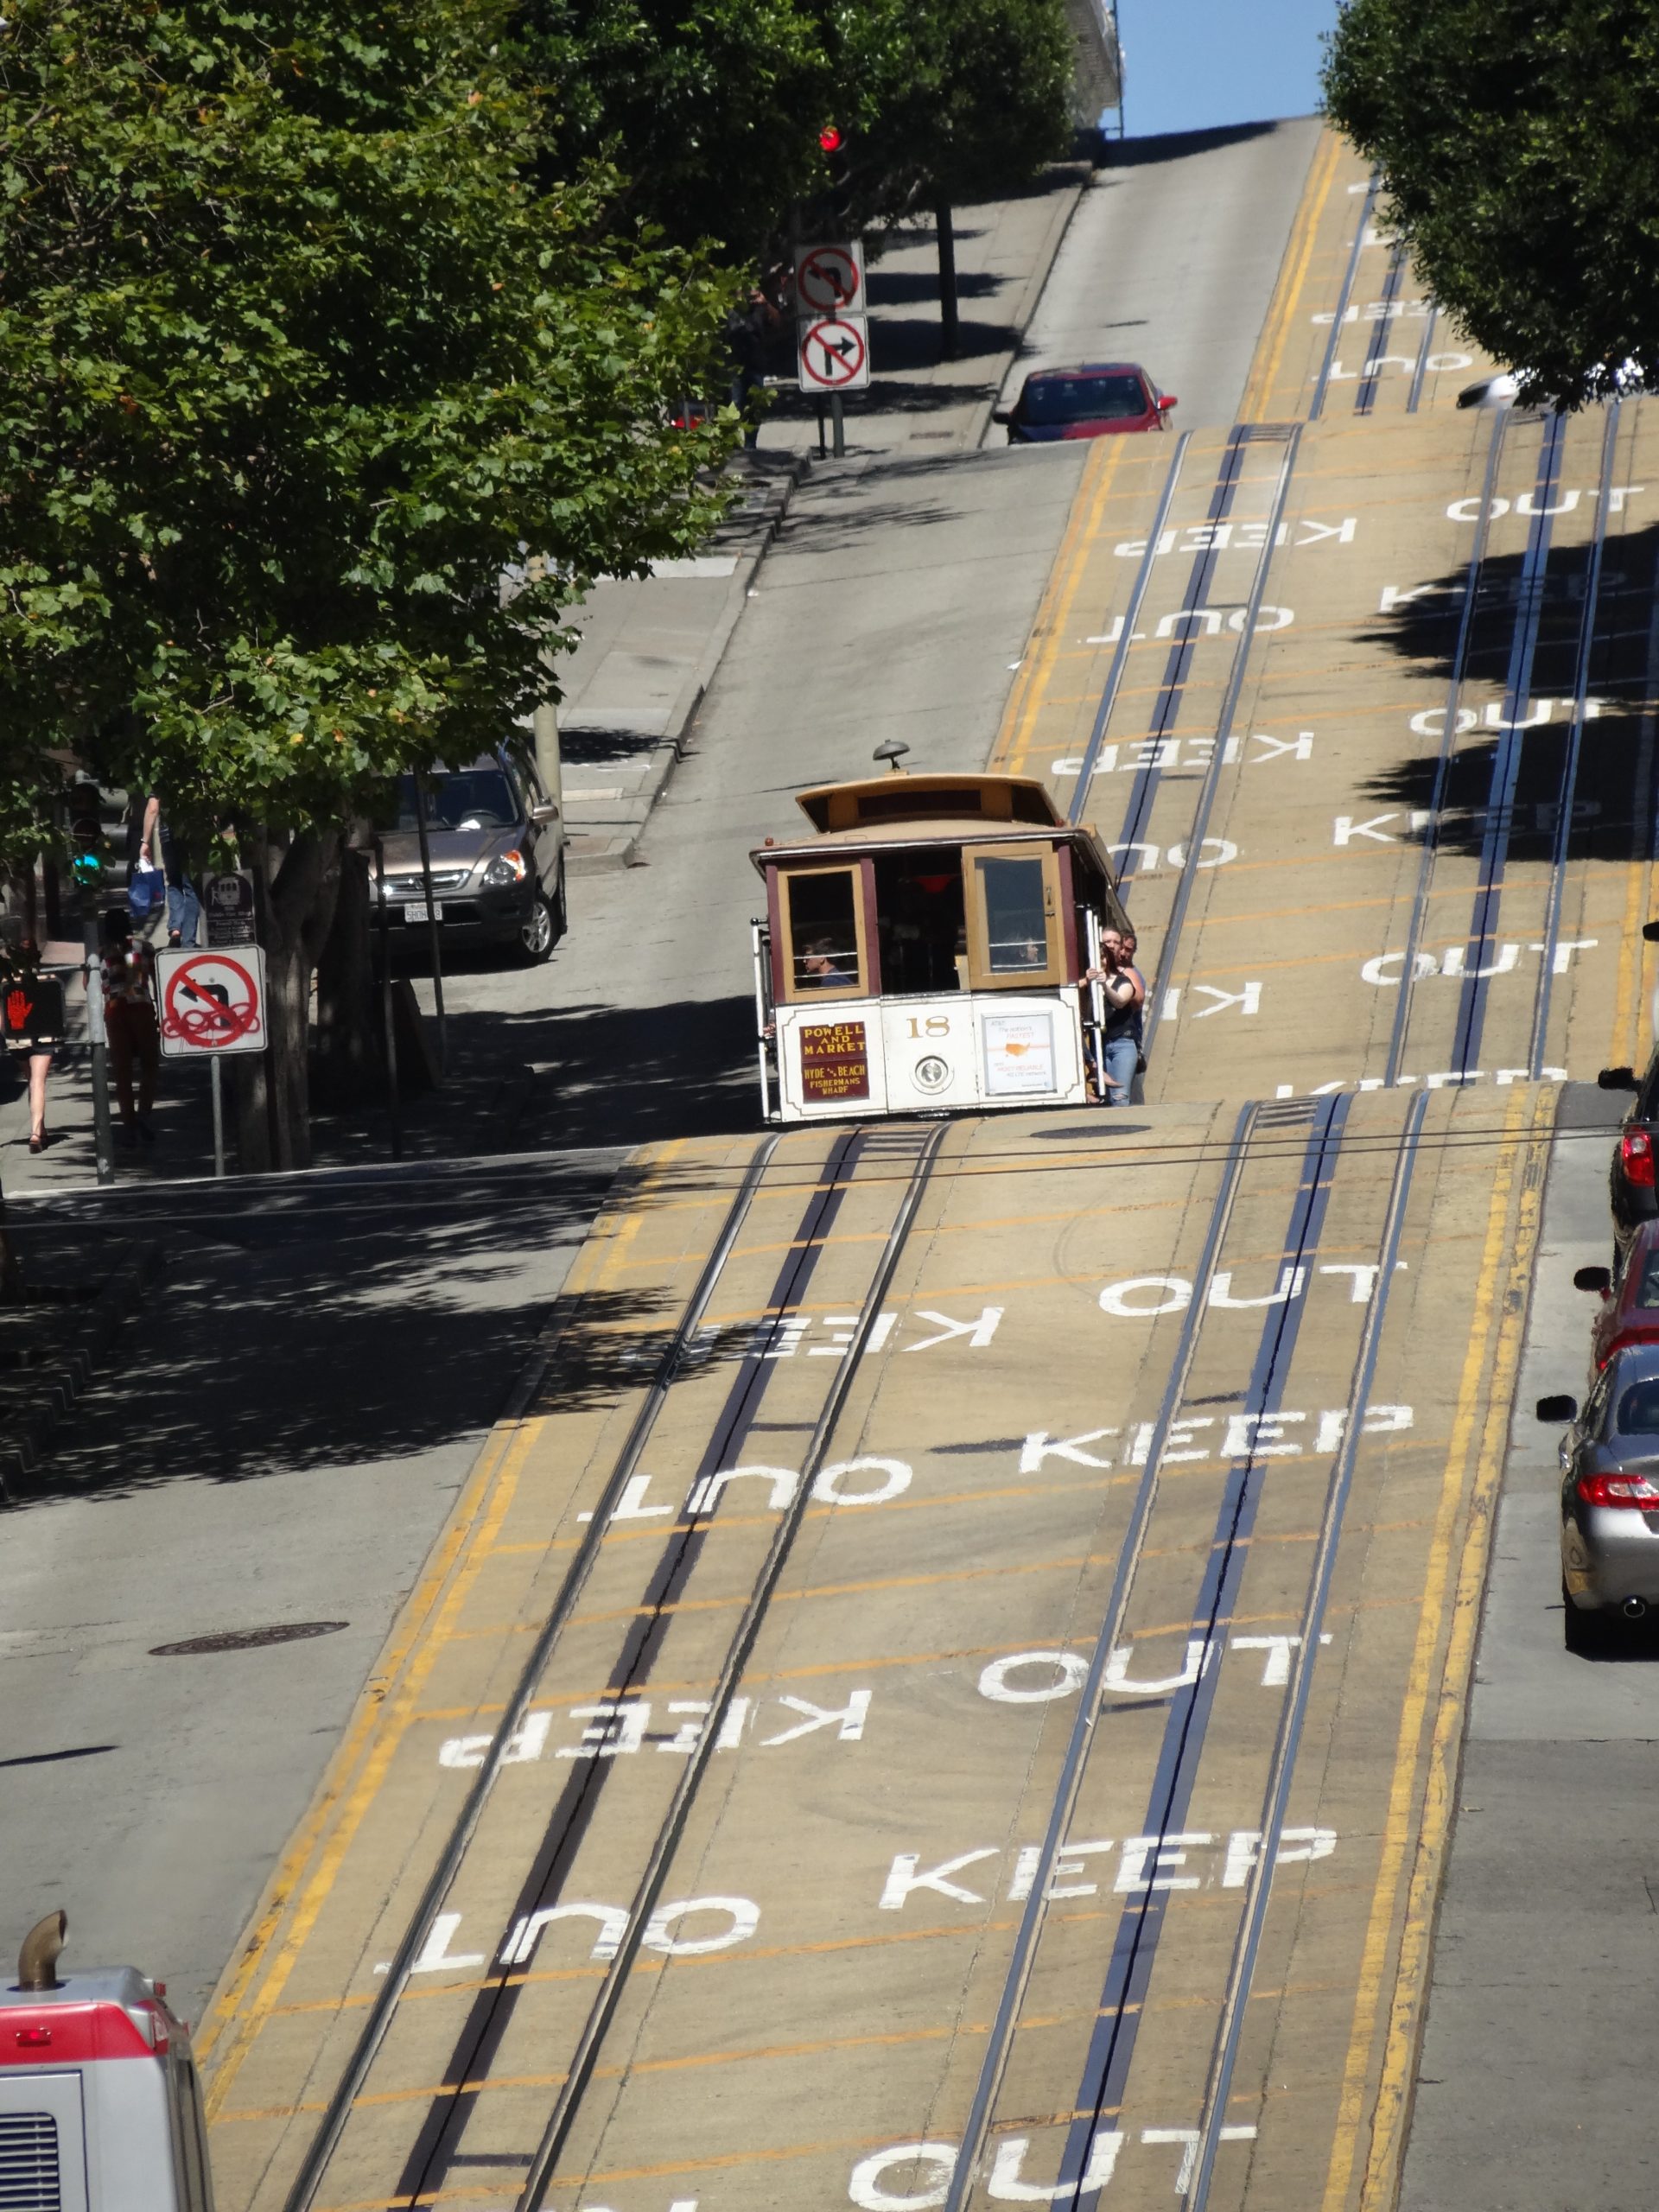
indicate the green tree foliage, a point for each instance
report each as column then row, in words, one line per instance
column 711, row 114
column 714, row 114
column 958, row 99
column 299, row 353
column 1516, row 140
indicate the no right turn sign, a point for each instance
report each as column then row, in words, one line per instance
column 835, row 353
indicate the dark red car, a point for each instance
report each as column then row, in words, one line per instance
column 1629, row 1312
column 1095, row 401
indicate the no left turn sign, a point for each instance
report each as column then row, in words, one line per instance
column 829, row 280
column 211, row 1002
column 835, row 353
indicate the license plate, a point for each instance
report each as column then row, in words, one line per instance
column 416, row 911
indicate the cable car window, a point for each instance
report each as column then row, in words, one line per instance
column 1014, row 929
column 919, row 921
column 824, row 922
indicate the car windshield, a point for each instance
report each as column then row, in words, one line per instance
column 1083, row 399
column 1638, row 1410
column 1647, row 1289
column 457, row 798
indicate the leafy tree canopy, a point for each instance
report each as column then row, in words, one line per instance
column 964, row 99
column 1516, row 140
column 715, row 113
column 298, row 356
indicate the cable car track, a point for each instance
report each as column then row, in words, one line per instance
column 1109, row 2072
column 1498, row 812
column 912, row 1149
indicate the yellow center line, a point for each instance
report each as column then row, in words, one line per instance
column 1299, row 254
column 1487, row 1378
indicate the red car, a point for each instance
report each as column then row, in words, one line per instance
column 1630, row 1309
column 1095, row 401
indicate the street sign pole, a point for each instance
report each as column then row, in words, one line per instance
column 431, row 917
column 388, row 1018
column 838, row 422
column 216, row 1077
column 103, row 1132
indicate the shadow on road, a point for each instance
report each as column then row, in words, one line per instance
column 1612, row 808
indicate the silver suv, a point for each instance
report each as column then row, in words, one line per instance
column 497, row 843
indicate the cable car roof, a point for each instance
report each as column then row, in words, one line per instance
column 944, row 800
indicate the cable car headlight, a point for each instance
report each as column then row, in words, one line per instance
column 505, row 869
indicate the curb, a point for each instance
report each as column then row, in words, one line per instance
column 751, row 528
column 67, row 1375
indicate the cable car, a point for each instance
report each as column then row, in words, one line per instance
column 100, row 2108
column 924, row 950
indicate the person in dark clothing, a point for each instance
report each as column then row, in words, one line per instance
column 749, row 329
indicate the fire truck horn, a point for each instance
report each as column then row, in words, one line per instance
column 39, row 1956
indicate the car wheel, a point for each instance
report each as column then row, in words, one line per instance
column 536, row 933
column 561, row 910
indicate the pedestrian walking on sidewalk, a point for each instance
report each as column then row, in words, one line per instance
column 130, row 1023
column 22, row 966
column 159, row 845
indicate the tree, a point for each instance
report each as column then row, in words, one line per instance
column 1513, row 137
column 959, row 100
column 711, row 114
column 301, row 356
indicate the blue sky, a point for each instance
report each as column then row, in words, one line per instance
column 1191, row 64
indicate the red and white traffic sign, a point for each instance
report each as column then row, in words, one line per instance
column 211, row 1002
column 835, row 353
column 829, row 280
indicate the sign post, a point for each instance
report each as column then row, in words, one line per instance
column 213, row 1002
column 832, row 331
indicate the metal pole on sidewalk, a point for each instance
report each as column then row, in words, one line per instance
column 431, row 917
column 387, row 1018
column 839, row 423
column 103, row 1134
column 216, row 1072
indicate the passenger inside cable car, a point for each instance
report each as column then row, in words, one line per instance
column 950, row 923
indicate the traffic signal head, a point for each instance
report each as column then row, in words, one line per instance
column 830, row 138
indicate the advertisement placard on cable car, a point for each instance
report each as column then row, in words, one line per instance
column 835, row 1061
column 1019, row 1054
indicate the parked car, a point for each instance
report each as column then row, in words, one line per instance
column 1610, row 1498
column 1631, row 1190
column 1629, row 1306
column 1095, row 401
column 497, row 844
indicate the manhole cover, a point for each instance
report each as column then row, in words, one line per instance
column 246, row 1639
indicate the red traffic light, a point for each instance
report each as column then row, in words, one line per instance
column 830, row 138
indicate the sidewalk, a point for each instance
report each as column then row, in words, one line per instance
column 650, row 646
column 649, row 651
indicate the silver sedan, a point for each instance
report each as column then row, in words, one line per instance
column 1610, row 1498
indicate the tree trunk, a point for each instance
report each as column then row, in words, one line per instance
column 349, row 1068
column 296, row 882
column 949, row 322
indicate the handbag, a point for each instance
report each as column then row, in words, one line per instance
column 146, row 890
